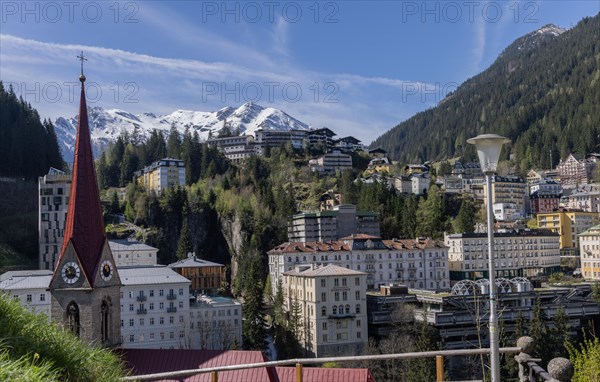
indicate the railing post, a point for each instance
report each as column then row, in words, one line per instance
column 527, row 346
column 214, row 376
column 560, row 369
column 439, row 368
column 298, row 372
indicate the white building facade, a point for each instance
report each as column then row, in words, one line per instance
column 215, row 323
column 419, row 264
column 54, row 189
column 129, row 253
column 30, row 288
column 523, row 253
column 155, row 305
column 333, row 309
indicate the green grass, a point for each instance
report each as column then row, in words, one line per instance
column 26, row 369
column 35, row 346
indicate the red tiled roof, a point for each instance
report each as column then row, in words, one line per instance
column 150, row 361
column 84, row 226
column 341, row 245
column 313, row 374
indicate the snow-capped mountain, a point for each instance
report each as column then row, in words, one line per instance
column 107, row 125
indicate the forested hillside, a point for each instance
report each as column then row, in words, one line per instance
column 543, row 92
column 28, row 146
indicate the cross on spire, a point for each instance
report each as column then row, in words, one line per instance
column 82, row 58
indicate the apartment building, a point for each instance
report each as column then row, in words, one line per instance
column 416, row 263
column 333, row 310
column 574, row 170
column 568, row 224
column 342, row 220
column 518, row 253
column 277, row 138
column 330, row 163
column 206, row 277
column 589, row 244
column 543, row 203
column 161, row 175
column 322, row 137
column 155, row 307
column 235, row 148
column 30, row 288
column 215, row 323
column 511, row 191
column 129, row 253
column 54, row 189
column 584, row 201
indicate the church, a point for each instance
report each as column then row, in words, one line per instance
column 85, row 285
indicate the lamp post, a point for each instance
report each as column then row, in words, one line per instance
column 488, row 149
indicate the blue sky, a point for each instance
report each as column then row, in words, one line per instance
column 358, row 67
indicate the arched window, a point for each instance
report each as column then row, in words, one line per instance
column 73, row 317
column 347, row 309
column 104, row 321
column 334, row 310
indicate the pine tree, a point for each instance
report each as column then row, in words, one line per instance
column 253, row 328
column 539, row 332
column 466, row 219
column 430, row 215
column 560, row 333
column 184, row 244
column 174, row 143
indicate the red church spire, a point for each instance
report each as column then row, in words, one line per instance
column 84, row 226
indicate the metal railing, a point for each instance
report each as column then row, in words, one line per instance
column 559, row 369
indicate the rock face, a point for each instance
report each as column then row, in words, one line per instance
column 235, row 238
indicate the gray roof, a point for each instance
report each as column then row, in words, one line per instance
column 327, row 270
column 33, row 279
column 194, row 262
column 150, row 275
column 126, row 245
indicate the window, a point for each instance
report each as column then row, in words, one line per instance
column 130, row 294
column 28, row 298
column 323, row 297
column 323, row 283
column 131, row 338
column 358, row 323
column 324, row 337
column 171, row 335
column 344, row 282
column 131, row 322
column 161, row 292
column 358, row 334
column 171, row 320
column 347, row 309
column 162, row 320
column 43, row 297
column 141, row 321
column 181, row 291
column 122, row 323
column 337, row 296
column 324, row 311
column 336, row 282
column 131, row 307
column 161, row 305
column 151, row 292
column 151, row 306
column 358, row 310
column 180, row 318
column 324, row 325
column 151, row 320
column 357, row 295
column 344, row 296
column 334, row 310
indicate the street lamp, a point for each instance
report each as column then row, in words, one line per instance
column 488, row 149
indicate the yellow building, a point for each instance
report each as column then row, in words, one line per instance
column 568, row 224
column 162, row 174
column 589, row 243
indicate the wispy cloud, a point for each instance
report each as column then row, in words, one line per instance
column 350, row 103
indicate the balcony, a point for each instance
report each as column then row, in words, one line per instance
column 171, row 296
column 141, row 298
column 171, row 309
column 142, row 311
column 340, row 316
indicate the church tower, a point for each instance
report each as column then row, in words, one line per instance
column 85, row 286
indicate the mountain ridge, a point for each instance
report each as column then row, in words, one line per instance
column 542, row 92
column 107, row 124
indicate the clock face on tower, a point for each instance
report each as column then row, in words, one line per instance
column 70, row 272
column 106, row 270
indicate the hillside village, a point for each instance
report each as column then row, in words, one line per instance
column 177, row 251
